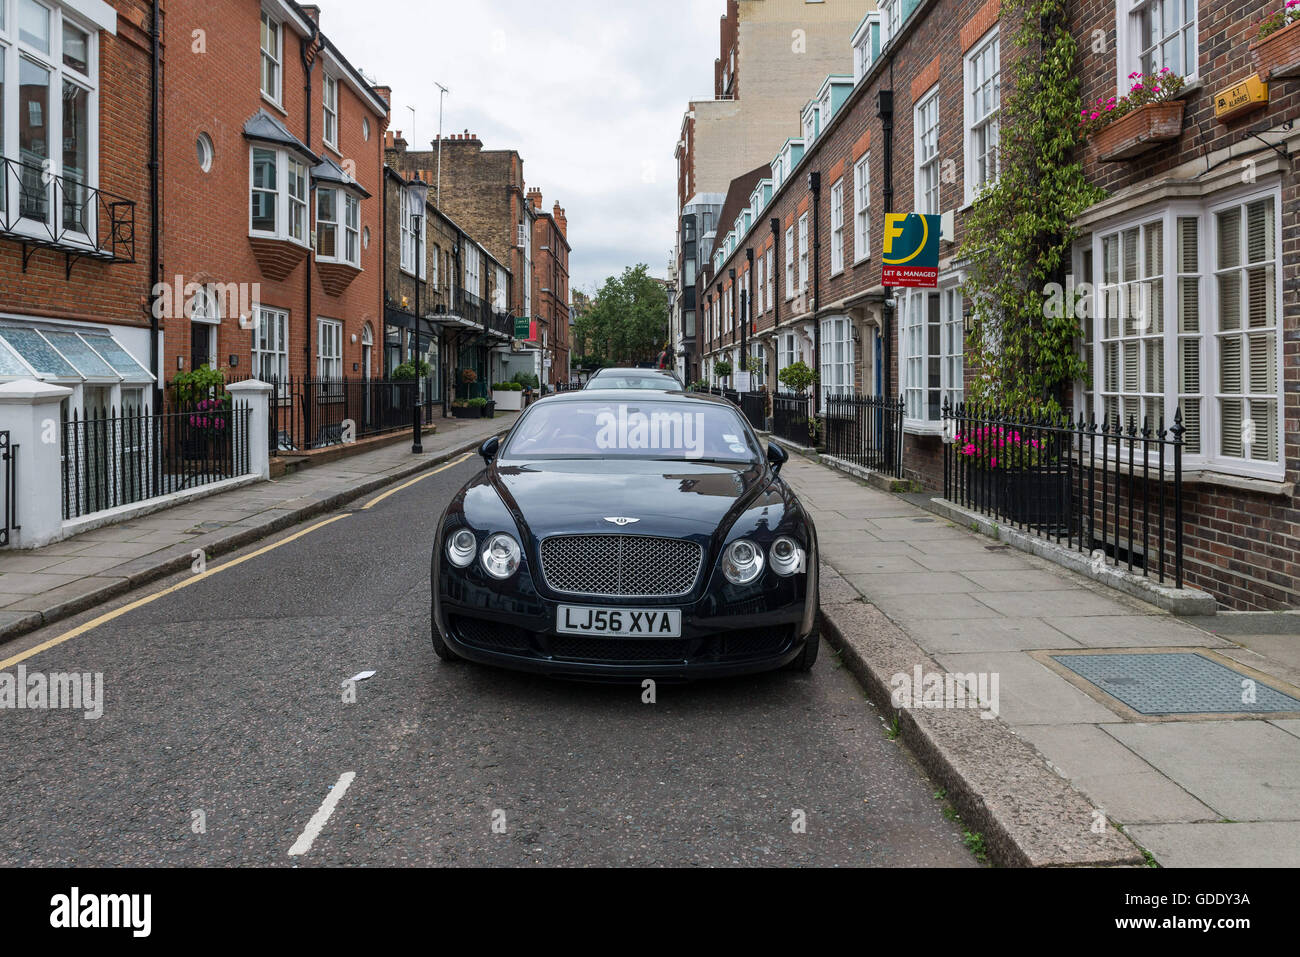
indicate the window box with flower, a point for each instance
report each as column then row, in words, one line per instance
column 1276, row 51
column 1148, row 116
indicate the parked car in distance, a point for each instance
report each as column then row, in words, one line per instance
column 662, row 379
column 627, row 535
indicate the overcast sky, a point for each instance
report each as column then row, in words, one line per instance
column 590, row 92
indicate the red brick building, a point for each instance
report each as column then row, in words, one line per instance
column 1207, row 219
column 75, row 205
column 551, row 286
column 272, row 238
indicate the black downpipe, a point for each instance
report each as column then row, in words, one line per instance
column 815, row 185
column 155, row 252
column 774, row 224
column 306, row 48
column 749, row 306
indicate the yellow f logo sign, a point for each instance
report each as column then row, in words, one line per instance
column 893, row 229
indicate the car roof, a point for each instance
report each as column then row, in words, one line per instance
column 633, row 370
column 652, row 395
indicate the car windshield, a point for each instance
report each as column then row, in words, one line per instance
column 661, row 382
column 634, row 429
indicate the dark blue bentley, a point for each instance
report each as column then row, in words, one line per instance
column 627, row 534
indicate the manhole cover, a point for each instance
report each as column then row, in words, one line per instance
column 1177, row 683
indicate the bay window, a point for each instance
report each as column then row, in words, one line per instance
column 1186, row 317
column 278, row 185
column 338, row 221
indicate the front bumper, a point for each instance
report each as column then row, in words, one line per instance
column 725, row 631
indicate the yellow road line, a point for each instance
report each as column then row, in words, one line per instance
column 393, row 491
column 141, row 602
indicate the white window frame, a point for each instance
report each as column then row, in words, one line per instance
column 329, row 354
column 837, row 227
column 1129, row 52
column 789, row 263
column 1209, row 332
column 13, row 51
column 862, row 208
column 770, row 256
column 836, row 372
column 928, row 198
column 274, row 57
column 931, row 354
column 891, row 20
column 330, row 111
column 473, row 273
column 982, row 85
column 803, row 253
column 289, row 168
column 270, row 352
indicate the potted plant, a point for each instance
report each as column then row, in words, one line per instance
column 1014, row 474
column 722, row 370
column 476, row 407
column 508, row 396
column 201, row 396
column 797, row 377
column 1149, row 115
column 460, row 410
column 1276, row 51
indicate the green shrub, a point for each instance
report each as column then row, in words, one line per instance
column 476, row 403
column 406, row 371
column 797, row 376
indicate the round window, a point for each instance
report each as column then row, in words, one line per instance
column 365, row 237
column 365, row 128
column 205, row 151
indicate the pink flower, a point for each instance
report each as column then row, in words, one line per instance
column 1095, row 115
column 968, row 450
column 993, row 462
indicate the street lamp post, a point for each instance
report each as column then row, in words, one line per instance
column 419, row 192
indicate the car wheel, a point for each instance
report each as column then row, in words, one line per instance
column 808, row 656
column 439, row 646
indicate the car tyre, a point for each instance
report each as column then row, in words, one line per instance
column 808, row 657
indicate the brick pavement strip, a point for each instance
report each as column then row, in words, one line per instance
column 45, row 585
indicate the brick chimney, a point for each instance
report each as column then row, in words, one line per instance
column 312, row 11
column 563, row 224
column 394, row 141
column 535, row 198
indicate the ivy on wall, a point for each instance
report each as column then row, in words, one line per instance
column 1020, row 229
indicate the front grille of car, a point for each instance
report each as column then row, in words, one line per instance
column 754, row 643
column 579, row 648
column 621, row 566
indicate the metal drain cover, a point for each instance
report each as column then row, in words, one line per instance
column 1176, row 683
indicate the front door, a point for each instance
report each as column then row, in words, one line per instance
column 201, row 347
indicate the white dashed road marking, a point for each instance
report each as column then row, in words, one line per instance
column 322, row 816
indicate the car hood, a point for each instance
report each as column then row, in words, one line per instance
column 675, row 499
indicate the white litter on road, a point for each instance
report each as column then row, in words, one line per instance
column 322, row 816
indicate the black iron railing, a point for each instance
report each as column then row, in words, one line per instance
column 118, row 457
column 61, row 212
column 791, row 416
column 754, row 405
column 1112, row 490
column 866, row 430
column 309, row 412
column 9, row 486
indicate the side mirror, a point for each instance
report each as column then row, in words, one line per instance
column 776, row 456
column 489, row 449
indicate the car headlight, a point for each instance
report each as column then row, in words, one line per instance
column 501, row 556
column 460, row 547
column 787, row 556
column 742, row 562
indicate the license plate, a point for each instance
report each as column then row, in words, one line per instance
column 629, row 622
